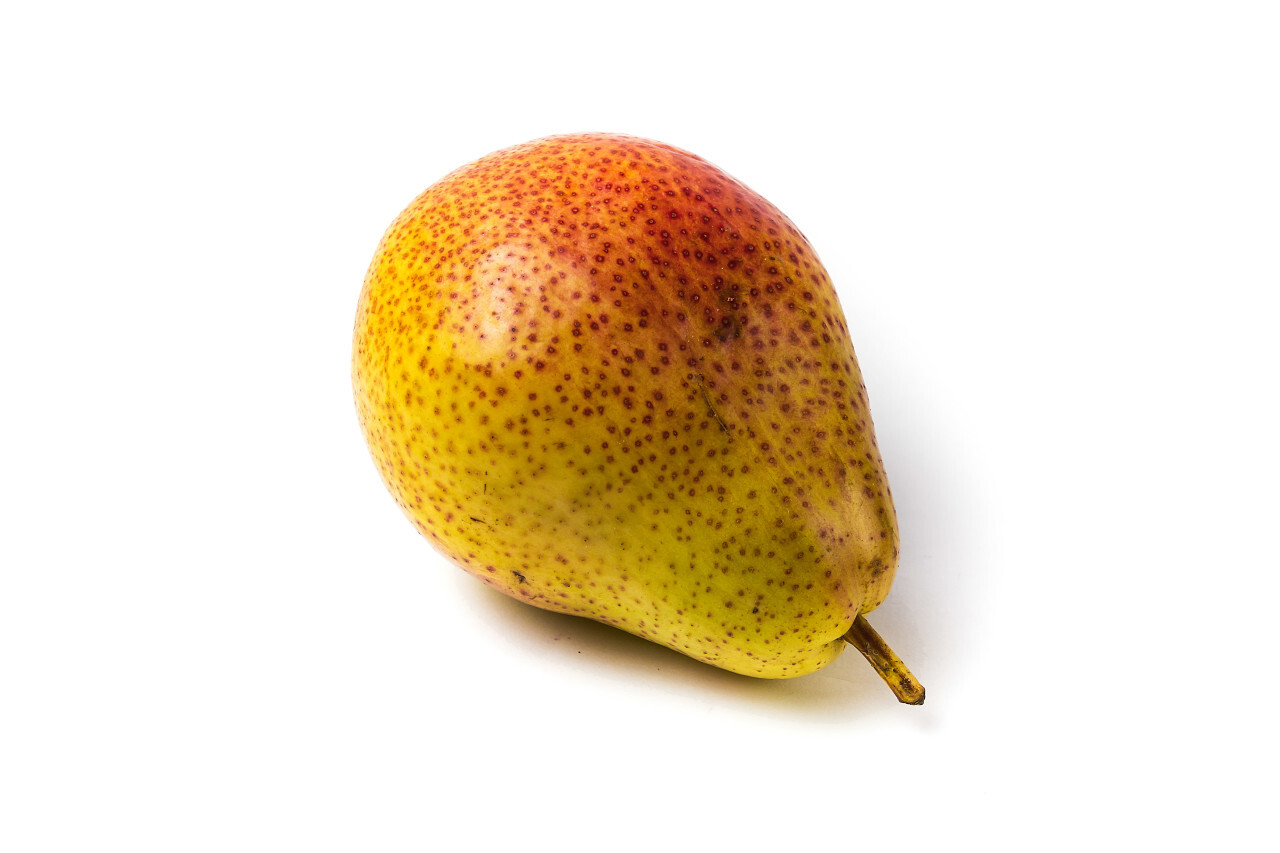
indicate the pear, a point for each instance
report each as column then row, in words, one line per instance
column 608, row 379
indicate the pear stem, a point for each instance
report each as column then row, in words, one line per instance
column 891, row 668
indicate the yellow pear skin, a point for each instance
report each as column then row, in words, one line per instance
column 609, row 380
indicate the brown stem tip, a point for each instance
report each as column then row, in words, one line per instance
column 891, row 668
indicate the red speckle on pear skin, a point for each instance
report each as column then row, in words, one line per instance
column 610, row 380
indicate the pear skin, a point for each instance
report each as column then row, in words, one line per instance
column 609, row 380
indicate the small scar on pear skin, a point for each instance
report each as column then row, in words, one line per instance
column 519, row 576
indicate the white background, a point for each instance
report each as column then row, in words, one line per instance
column 1054, row 227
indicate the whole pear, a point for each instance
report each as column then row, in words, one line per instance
column 607, row 379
